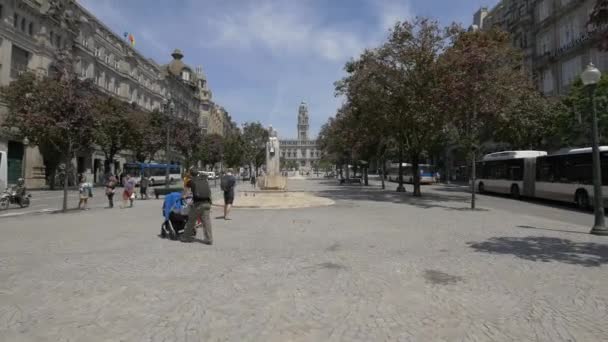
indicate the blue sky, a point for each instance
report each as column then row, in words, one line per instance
column 263, row 57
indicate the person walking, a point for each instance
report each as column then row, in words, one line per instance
column 201, row 207
column 143, row 186
column 110, row 190
column 85, row 192
column 127, row 194
column 228, row 183
column 253, row 180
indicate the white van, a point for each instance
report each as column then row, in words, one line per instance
column 3, row 170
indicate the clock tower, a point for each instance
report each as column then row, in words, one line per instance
column 303, row 122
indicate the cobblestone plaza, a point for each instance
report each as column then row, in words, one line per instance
column 374, row 266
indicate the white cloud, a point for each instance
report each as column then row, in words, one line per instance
column 284, row 27
column 391, row 11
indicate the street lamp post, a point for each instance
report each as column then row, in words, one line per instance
column 590, row 77
column 169, row 107
column 26, row 142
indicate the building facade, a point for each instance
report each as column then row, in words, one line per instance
column 303, row 152
column 555, row 37
column 32, row 31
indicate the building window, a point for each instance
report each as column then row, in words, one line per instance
column 96, row 52
column 544, row 43
column 1, row 11
column 117, row 88
column 547, row 86
column 15, row 20
column 23, row 24
column 569, row 30
column 30, row 29
column 599, row 59
column 83, row 71
column 58, row 41
column 570, row 70
column 185, row 75
column 544, row 10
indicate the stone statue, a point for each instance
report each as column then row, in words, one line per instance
column 273, row 180
column 273, row 165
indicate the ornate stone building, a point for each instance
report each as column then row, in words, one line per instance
column 302, row 152
column 554, row 36
column 32, row 31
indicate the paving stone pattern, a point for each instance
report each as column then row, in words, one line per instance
column 375, row 266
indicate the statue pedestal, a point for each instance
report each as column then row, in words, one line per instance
column 272, row 182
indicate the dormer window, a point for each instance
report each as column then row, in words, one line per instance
column 185, row 75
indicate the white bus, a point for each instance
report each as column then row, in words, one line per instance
column 427, row 173
column 156, row 172
column 565, row 176
column 3, row 171
column 508, row 172
column 568, row 176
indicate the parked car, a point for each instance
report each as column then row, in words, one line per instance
column 209, row 174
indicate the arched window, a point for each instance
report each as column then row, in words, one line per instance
column 23, row 24
column 15, row 20
column 30, row 29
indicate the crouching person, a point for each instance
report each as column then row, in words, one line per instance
column 201, row 207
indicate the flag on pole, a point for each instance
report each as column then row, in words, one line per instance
column 132, row 40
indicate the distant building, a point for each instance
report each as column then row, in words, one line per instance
column 554, row 36
column 303, row 150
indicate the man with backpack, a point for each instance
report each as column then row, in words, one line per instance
column 201, row 207
column 227, row 185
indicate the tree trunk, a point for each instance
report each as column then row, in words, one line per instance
column 400, row 188
column 52, row 174
column 473, row 176
column 416, row 174
column 383, row 173
column 365, row 176
column 68, row 161
column 107, row 164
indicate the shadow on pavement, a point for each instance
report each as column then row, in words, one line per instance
column 546, row 249
column 465, row 190
column 554, row 230
column 374, row 193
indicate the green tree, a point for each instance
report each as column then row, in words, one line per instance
column 574, row 118
column 55, row 110
column 233, row 150
column 254, row 140
column 483, row 87
column 113, row 129
column 147, row 134
column 211, row 149
column 188, row 140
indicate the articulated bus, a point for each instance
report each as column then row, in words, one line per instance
column 427, row 173
column 565, row 176
column 156, row 172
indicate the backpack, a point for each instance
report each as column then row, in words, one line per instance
column 200, row 189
